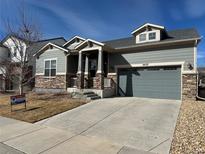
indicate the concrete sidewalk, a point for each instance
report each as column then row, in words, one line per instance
column 18, row 137
column 111, row 126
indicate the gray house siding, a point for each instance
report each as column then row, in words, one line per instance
column 49, row 54
column 171, row 55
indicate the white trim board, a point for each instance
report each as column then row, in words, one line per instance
column 147, row 24
column 49, row 59
column 89, row 40
column 73, row 39
column 60, row 73
column 91, row 49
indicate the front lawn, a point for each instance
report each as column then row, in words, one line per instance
column 38, row 106
column 189, row 136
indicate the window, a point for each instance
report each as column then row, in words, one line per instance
column 142, row 37
column 152, row 36
column 148, row 36
column 50, row 68
column 15, row 49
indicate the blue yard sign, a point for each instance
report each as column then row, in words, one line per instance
column 18, row 99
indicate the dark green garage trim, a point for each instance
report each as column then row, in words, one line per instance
column 150, row 82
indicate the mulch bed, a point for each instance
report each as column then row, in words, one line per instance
column 189, row 136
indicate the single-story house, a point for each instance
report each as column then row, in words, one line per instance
column 153, row 62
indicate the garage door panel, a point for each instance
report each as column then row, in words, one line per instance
column 151, row 82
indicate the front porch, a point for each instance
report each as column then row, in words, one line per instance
column 92, row 71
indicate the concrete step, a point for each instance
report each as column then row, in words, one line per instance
column 95, row 97
column 91, row 95
column 87, row 93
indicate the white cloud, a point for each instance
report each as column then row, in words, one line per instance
column 90, row 27
column 195, row 8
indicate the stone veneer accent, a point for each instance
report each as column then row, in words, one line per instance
column 99, row 81
column 189, row 86
column 57, row 82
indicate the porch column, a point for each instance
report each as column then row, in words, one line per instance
column 86, row 73
column 100, row 60
column 80, row 75
column 100, row 72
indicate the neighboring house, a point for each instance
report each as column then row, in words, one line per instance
column 8, row 52
column 13, row 44
column 153, row 62
column 201, row 82
column 201, row 71
column 3, row 56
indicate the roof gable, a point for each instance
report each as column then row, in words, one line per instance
column 76, row 39
column 47, row 46
column 147, row 25
column 89, row 42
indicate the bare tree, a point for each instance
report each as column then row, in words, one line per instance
column 21, row 37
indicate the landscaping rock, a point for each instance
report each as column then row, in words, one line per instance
column 189, row 134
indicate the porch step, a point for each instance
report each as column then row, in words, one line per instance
column 91, row 95
column 87, row 93
column 95, row 97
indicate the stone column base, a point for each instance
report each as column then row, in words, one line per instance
column 189, row 87
column 80, row 81
column 100, row 81
column 86, row 81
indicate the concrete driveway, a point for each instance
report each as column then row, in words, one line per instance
column 115, row 125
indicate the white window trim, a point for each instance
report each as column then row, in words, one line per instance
column 147, row 36
column 151, row 33
column 45, row 67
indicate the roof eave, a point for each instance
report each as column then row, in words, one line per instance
column 158, row 43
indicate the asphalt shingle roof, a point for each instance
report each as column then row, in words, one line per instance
column 38, row 45
column 170, row 36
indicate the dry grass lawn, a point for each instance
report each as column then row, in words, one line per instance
column 38, row 106
column 189, row 136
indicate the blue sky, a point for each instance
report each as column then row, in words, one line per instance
column 107, row 19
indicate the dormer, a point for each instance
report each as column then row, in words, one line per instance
column 148, row 33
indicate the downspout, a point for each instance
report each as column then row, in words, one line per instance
column 197, row 92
